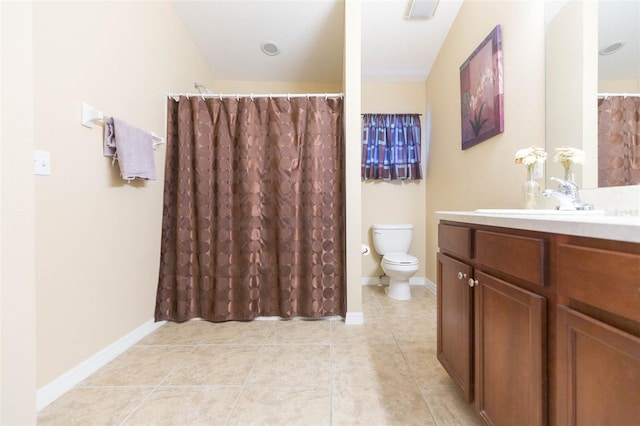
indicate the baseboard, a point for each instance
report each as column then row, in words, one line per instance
column 58, row 387
column 431, row 285
column 374, row 281
column 354, row 318
column 412, row 281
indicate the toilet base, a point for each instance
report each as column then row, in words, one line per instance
column 398, row 290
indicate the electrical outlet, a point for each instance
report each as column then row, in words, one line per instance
column 42, row 163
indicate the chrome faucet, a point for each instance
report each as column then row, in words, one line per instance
column 568, row 195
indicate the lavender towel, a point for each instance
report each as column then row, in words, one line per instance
column 132, row 147
column 109, row 149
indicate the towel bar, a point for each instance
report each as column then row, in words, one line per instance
column 92, row 116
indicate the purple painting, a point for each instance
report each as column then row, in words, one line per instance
column 481, row 89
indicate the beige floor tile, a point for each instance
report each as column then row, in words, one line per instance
column 93, row 406
column 236, row 332
column 424, row 365
column 376, row 304
column 193, row 406
column 139, row 366
column 413, row 332
column 369, row 365
column 448, row 406
column 283, row 406
column 380, row 405
column 384, row 372
column 413, row 309
column 292, row 365
column 301, row 331
column 215, row 365
column 373, row 331
column 372, row 310
column 185, row 333
column 372, row 292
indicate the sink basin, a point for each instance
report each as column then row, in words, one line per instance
column 536, row 212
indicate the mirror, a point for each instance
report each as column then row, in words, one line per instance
column 576, row 73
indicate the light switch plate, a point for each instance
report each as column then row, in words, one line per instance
column 42, row 163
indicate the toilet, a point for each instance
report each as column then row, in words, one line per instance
column 392, row 242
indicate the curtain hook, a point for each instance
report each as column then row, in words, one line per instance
column 289, row 96
column 251, row 96
column 237, row 96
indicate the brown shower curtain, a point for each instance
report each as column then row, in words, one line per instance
column 253, row 219
column 618, row 141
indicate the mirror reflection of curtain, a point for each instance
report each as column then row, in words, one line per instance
column 253, row 219
column 618, row 141
column 391, row 147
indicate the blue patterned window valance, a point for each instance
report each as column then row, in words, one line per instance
column 391, row 146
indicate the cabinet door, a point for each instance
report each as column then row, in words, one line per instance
column 598, row 372
column 510, row 350
column 455, row 316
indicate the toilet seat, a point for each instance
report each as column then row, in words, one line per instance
column 399, row 259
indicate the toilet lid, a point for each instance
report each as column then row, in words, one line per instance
column 400, row 259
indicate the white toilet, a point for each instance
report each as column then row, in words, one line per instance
column 393, row 243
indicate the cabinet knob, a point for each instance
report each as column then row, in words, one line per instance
column 473, row 283
column 462, row 275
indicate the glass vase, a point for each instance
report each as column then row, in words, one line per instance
column 530, row 190
column 568, row 174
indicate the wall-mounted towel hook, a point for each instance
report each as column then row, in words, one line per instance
column 91, row 116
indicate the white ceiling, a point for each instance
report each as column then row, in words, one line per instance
column 310, row 36
column 619, row 21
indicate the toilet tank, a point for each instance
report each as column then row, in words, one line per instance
column 394, row 238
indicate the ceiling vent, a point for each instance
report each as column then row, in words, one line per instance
column 420, row 9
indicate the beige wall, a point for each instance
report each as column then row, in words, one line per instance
column 97, row 237
column 276, row 87
column 619, row 86
column 352, row 132
column 485, row 175
column 17, row 223
column 397, row 201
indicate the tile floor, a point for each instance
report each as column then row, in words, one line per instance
column 322, row 372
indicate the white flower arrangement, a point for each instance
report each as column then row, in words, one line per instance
column 568, row 156
column 531, row 156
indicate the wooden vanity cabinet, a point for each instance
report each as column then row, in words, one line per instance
column 548, row 329
column 455, row 307
column 455, row 322
column 491, row 332
column 598, row 354
column 510, row 353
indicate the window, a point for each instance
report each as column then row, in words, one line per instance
column 391, row 146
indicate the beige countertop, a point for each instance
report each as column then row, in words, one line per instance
column 594, row 225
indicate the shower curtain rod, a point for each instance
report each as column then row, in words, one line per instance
column 606, row 95
column 254, row 95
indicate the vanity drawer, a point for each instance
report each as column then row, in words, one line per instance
column 521, row 257
column 455, row 240
column 605, row 279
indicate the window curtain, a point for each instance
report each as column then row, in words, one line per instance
column 391, row 146
column 253, row 218
column 618, row 141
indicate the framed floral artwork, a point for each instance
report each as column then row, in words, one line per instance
column 481, row 89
